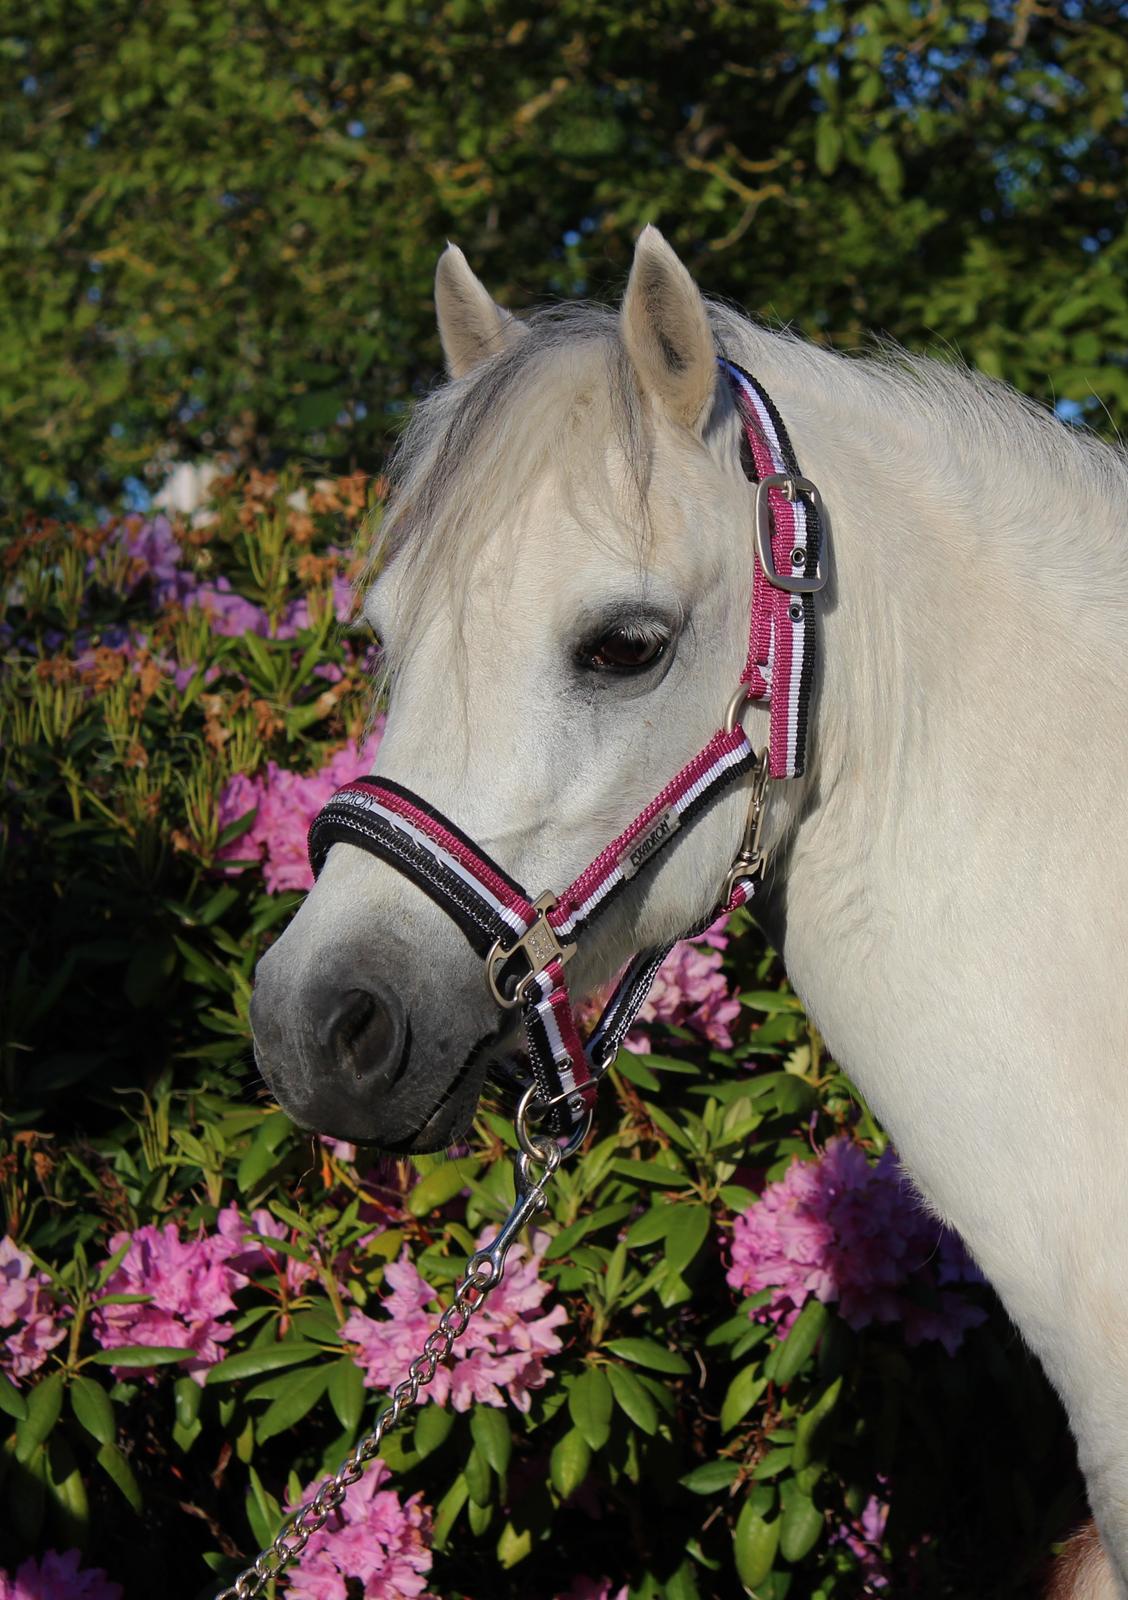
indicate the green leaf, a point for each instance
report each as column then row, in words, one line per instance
column 11, row 1400
column 652, row 1172
column 810, row 1422
column 346, row 1393
column 590, row 1404
column 43, row 1406
column 478, row 1480
column 259, row 1359
column 709, row 1478
column 447, row 1511
column 114, row 1464
column 689, row 1228
column 513, row 1545
column 432, row 1427
column 799, row 1346
column 297, row 1402
column 741, row 1395
column 264, row 1514
column 648, row 1353
column 755, row 1541
column 633, row 1398
column 801, row 1523
column 489, row 1429
column 142, row 1355
column 441, row 1186
column 650, row 1227
column 94, row 1409
column 569, row 1462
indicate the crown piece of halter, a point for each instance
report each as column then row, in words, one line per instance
column 525, row 942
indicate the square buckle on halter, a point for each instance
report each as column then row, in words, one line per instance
column 790, row 485
column 538, row 944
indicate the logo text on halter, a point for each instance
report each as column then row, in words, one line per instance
column 637, row 854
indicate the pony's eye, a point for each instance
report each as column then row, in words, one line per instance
column 624, row 649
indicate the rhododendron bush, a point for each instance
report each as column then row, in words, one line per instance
column 736, row 1355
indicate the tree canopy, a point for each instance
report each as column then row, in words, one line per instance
column 219, row 219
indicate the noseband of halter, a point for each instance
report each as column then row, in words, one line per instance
column 525, row 942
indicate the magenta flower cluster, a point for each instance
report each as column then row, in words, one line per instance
column 501, row 1356
column 28, row 1308
column 57, row 1576
column 189, row 1285
column 853, row 1233
column 690, row 991
column 285, row 803
column 374, row 1545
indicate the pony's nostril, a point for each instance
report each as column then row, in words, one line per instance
column 367, row 1034
column 358, row 1011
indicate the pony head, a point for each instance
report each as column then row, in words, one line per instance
column 561, row 591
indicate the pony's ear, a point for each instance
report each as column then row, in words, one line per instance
column 472, row 326
column 666, row 332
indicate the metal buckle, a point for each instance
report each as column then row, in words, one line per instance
column 790, row 485
column 538, row 944
column 750, row 860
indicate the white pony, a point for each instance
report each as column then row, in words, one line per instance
column 563, row 596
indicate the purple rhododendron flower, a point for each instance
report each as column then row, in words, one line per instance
column 189, row 1284
column 155, row 554
column 849, row 1231
column 501, row 1354
column 690, row 991
column 57, row 1576
column 372, row 1545
column 27, row 1307
column 287, row 803
column 864, row 1537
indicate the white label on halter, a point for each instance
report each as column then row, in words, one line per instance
column 636, row 855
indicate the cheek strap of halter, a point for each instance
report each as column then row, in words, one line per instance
column 527, row 943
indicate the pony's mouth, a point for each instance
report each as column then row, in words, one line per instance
column 446, row 1122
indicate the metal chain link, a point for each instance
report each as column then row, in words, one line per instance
column 483, row 1274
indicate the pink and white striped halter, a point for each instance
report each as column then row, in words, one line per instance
column 525, row 943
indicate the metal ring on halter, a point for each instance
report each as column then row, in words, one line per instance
column 736, row 705
column 533, row 1144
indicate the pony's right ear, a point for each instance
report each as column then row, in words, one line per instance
column 666, row 333
column 472, row 326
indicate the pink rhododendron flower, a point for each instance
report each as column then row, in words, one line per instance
column 374, row 1546
column 249, row 1257
column 28, row 1308
column 189, row 1284
column 853, row 1233
column 690, row 991
column 57, row 1576
column 500, row 1356
column 287, row 803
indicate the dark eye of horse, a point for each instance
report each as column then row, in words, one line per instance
column 624, row 649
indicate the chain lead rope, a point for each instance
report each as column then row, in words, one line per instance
column 483, row 1274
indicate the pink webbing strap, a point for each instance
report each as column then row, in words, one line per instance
column 781, row 652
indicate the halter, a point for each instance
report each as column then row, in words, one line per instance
column 526, row 943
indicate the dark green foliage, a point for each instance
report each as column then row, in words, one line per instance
column 220, row 220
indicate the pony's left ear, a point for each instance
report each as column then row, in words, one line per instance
column 472, row 326
column 666, row 333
